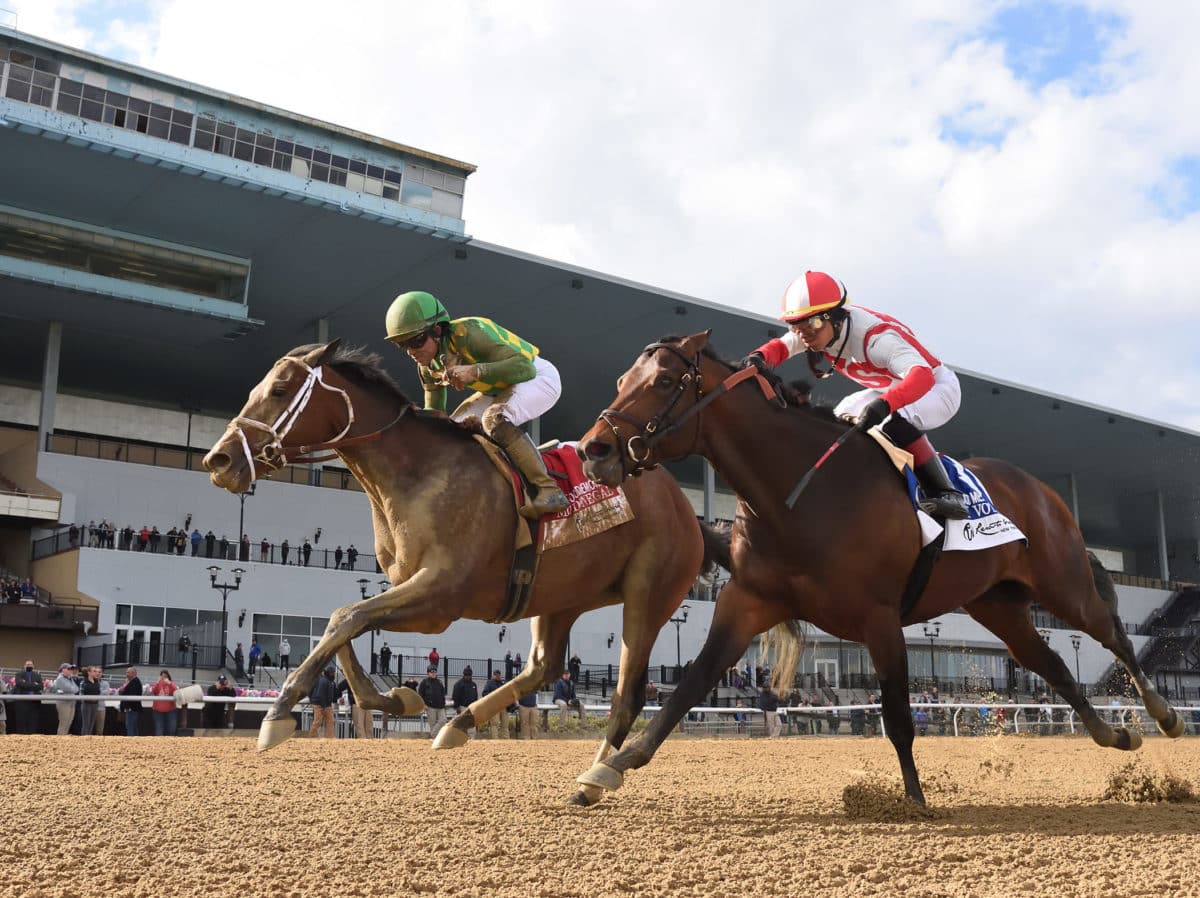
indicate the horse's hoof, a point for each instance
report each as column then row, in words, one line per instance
column 1174, row 726
column 272, row 732
column 409, row 702
column 1128, row 740
column 585, row 796
column 602, row 776
column 450, row 737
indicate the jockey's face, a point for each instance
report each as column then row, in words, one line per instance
column 423, row 352
column 816, row 333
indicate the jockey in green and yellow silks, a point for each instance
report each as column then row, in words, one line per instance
column 512, row 382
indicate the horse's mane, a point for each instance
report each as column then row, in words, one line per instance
column 365, row 369
column 796, row 393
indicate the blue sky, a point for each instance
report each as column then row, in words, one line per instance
column 1046, row 42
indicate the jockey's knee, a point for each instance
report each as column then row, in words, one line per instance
column 493, row 417
column 901, row 431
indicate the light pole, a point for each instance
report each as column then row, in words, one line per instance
column 242, row 518
column 1045, row 634
column 362, row 589
column 932, row 629
column 226, row 589
column 1076, row 639
column 678, row 622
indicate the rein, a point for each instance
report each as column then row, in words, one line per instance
column 639, row 446
column 273, row 455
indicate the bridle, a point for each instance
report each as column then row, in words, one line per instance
column 640, row 445
column 273, row 455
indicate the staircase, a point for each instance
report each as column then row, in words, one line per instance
column 1174, row 642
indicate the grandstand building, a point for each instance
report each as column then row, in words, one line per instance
column 162, row 243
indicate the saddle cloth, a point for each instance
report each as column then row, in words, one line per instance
column 594, row 508
column 986, row 526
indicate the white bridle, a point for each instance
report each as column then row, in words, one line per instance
column 272, row 454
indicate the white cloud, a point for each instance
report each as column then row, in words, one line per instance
column 718, row 150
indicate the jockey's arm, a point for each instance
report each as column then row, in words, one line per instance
column 906, row 364
column 435, row 390
column 497, row 361
column 778, row 350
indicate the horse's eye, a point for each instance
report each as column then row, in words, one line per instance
column 279, row 391
column 666, row 380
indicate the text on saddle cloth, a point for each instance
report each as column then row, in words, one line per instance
column 985, row 526
column 594, row 508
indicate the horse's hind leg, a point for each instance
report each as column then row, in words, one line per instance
column 547, row 645
column 884, row 640
column 1004, row 609
column 400, row 701
column 1114, row 638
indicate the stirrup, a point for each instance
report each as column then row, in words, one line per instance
column 546, row 501
column 948, row 504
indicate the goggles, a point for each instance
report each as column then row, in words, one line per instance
column 414, row 342
column 813, row 322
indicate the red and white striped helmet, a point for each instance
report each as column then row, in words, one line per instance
column 810, row 294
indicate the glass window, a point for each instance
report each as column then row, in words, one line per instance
column 245, row 135
column 339, row 162
column 110, row 115
column 88, row 109
column 207, row 123
column 19, row 73
column 181, row 134
column 158, row 128
column 41, row 79
column 337, row 176
column 265, row 139
column 283, row 146
column 209, row 617
column 17, row 90
column 319, row 172
column 303, row 152
column 391, row 193
column 70, row 88
column 358, row 166
column 267, row 623
column 91, row 92
column 392, row 177
column 123, row 612
column 21, row 56
column 147, row 616
column 375, row 171
column 262, row 156
column 179, row 117
column 455, row 185
column 320, row 156
column 227, row 129
column 159, row 111
column 41, row 96
column 413, row 194
column 204, row 140
column 224, row 146
column 140, row 106
column 181, row 617
column 46, row 65
column 115, row 100
column 298, row 625
column 68, row 105
column 318, row 626
column 282, row 161
column 243, row 151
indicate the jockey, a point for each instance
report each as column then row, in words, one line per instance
column 907, row 387
column 513, row 383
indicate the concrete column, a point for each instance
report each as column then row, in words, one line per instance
column 322, row 330
column 535, row 431
column 1164, row 570
column 1073, row 492
column 710, row 491
column 49, row 382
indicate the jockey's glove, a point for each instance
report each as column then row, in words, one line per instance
column 756, row 360
column 873, row 414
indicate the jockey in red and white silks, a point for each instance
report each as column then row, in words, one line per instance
column 908, row 389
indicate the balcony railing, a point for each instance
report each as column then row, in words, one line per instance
column 48, row 616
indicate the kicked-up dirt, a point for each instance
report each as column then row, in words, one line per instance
column 206, row 818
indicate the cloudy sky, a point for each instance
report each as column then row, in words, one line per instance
column 1020, row 182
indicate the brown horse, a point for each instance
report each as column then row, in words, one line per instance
column 445, row 524
column 841, row 557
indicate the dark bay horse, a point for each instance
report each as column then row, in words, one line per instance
column 445, row 524
column 841, row 557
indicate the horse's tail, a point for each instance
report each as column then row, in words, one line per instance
column 1104, row 584
column 785, row 641
column 716, row 548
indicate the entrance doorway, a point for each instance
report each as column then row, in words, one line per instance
column 827, row 672
column 138, row 645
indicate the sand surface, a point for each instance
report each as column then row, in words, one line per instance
column 156, row 818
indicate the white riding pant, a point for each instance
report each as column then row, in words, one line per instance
column 522, row 402
column 932, row 410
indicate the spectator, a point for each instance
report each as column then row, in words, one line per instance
column 181, row 539
column 255, row 651
column 517, row 661
column 264, row 550
column 285, row 652
column 65, row 684
column 155, row 539
column 133, row 710
column 185, row 646
column 223, row 547
column 498, row 725
column 196, row 538
column 101, row 707
column 508, row 666
column 351, row 556
column 322, row 697
column 385, row 659
column 873, row 716
column 564, row 697
column 651, row 693
column 87, row 710
column 3, row 708
column 337, row 558
column 360, row 720
column 284, row 549
column 306, row 551
column 573, row 667
column 239, row 662
column 921, row 719
column 434, row 657
column 27, row 682
column 28, row 591
column 219, row 715
column 165, row 720
column 465, row 691
column 527, row 715
column 768, row 703
column 433, row 693
column 210, row 543
column 73, row 535
column 244, row 548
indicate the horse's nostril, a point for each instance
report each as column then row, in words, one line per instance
column 597, row 449
column 216, row 461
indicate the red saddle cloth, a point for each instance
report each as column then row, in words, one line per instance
column 593, row 507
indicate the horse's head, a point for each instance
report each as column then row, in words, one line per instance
column 654, row 415
column 284, row 412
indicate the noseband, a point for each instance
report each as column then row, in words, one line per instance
column 272, row 454
column 639, row 446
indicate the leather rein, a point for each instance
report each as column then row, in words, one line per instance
column 639, row 446
column 273, row 455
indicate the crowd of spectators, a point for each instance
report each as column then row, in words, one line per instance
column 180, row 541
column 16, row 591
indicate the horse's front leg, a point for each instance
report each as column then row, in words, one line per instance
column 400, row 701
column 548, row 642
column 411, row 599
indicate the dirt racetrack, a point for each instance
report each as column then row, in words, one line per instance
column 155, row 818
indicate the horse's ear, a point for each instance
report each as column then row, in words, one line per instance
column 323, row 354
column 700, row 340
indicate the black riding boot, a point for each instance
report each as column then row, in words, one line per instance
column 941, row 499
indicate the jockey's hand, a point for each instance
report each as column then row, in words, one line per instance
column 755, row 360
column 461, row 375
column 873, row 414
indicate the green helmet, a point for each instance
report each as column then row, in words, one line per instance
column 412, row 312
